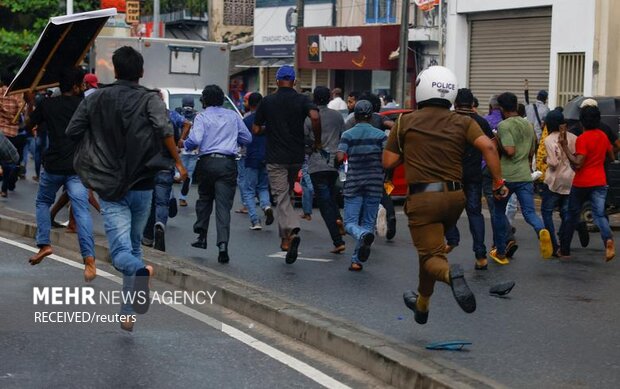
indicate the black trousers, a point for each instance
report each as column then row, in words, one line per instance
column 217, row 182
column 324, row 184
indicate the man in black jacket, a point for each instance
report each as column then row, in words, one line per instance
column 122, row 127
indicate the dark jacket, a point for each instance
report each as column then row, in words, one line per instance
column 120, row 128
column 472, row 158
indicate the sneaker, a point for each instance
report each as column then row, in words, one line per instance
column 268, row 216
column 256, row 226
column 544, row 240
column 511, row 248
column 610, row 250
column 382, row 222
column 147, row 242
column 160, row 237
column 500, row 259
column 365, row 242
column 460, row 290
column 291, row 253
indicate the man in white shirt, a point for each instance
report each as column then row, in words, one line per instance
column 337, row 102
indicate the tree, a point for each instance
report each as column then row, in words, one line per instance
column 22, row 23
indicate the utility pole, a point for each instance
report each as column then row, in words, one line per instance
column 156, row 19
column 403, row 54
column 441, row 34
column 69, row 7
column 299, row 24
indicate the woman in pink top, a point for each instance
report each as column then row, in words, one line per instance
column 559, row 174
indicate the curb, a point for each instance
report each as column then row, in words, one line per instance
column 387, row 359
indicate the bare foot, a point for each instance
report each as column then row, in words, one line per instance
column 90, row 270
column 44, row 251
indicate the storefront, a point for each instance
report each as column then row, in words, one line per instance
column 355, row 58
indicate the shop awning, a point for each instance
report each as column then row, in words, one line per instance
column 63, row 44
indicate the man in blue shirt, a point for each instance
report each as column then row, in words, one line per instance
column 217, row 133
column 363, row 146
column 256, row 180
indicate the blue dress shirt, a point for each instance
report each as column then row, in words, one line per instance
column 218, row 130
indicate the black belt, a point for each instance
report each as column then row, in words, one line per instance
column 448, row 186
column 218, row 155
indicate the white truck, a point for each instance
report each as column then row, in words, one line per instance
column 177, row 67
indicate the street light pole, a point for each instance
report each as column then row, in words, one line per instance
column 69, row 7
column 156, row 19
column 299, row 24
column 403, row 53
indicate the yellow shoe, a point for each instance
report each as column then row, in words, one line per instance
column 500, row 259
column 546, row 248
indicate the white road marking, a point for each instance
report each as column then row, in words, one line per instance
column 286, row 359
column 282, row 255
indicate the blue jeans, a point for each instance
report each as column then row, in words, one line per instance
column 124, row 222
column 78, row 194
column 511, row 209
column 160, row 202
column 525, row 195
column 549, row 201
column 40, row 148
column 324, row 184
column 240, row 180
column 360, row 217
column 307, row 190
column 577, row 197
column 189, row 161
column 29, row 148
column 255, row 183
column 473, row 207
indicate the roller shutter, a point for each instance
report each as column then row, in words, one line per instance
column 504, row 52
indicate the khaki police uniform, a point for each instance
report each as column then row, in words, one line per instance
column 432, row 142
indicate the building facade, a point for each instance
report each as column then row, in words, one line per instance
column 568, row 47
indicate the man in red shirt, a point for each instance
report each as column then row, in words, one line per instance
column 590, row 183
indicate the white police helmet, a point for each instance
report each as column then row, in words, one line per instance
column 436, row 83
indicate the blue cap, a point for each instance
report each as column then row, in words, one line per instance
column 542, row 95
column 285, row 72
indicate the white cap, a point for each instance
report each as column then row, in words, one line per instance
column 588, row 103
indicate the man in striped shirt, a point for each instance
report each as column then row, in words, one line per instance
column 362, row 146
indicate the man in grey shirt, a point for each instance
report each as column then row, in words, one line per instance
column 323, row 172
column 537, row 111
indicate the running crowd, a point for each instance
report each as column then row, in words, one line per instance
column 86, row 138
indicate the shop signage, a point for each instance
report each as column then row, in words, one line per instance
column 318, row 44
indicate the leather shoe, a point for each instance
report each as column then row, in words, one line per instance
column 223, row 255
column 462, row 294
column 410, row 298
column 201, row 242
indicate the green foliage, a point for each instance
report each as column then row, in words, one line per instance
column 25, row 20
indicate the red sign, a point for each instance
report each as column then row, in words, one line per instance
column 118, row 4
column 348, row 48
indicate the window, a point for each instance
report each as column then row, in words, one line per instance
column 239, row 12
column 380, row 11
column 570, row 76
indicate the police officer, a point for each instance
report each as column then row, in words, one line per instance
column 430, row 142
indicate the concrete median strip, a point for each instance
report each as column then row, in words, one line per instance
column 389, row 360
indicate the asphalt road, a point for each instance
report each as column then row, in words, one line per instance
column 168, row 348
column 555, row 330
